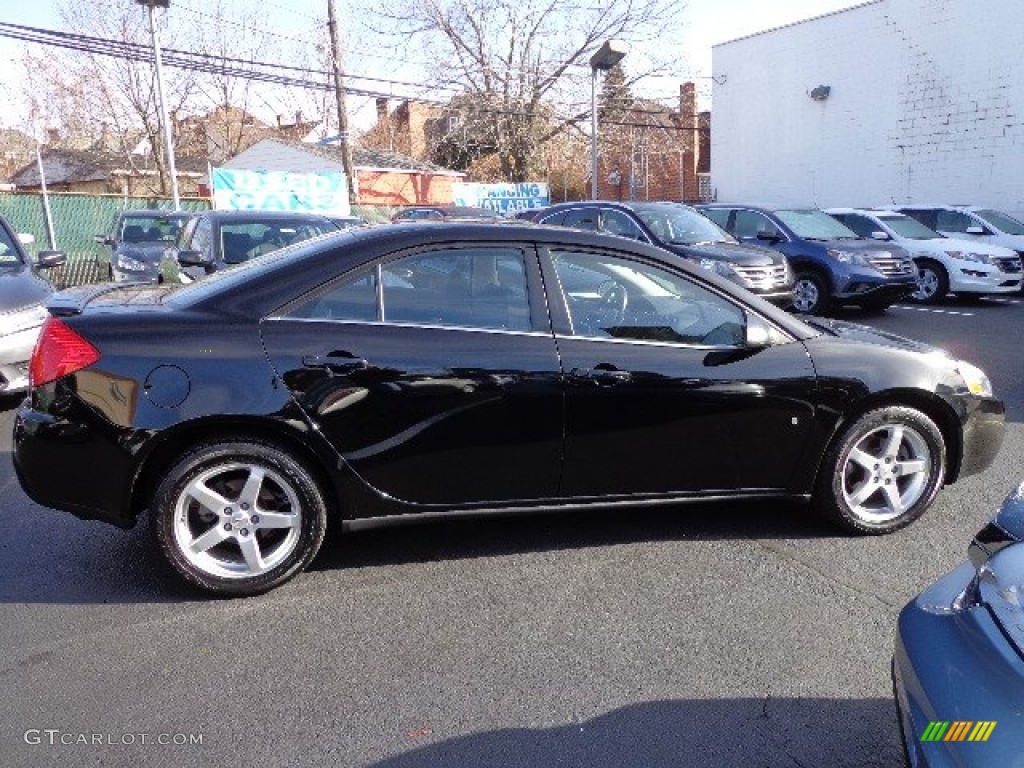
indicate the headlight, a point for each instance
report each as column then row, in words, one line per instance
column 980, row 258
column 848, row 257
column 19, row 320
column 132, row 265
column 722, row 268
column 974, row 378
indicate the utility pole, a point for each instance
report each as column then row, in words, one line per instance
column 339, row 92
column 164, row 119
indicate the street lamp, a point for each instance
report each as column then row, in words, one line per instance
column 164, row 119
column 606, row 57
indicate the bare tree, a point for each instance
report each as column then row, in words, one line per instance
column 511, row 57
column 112, row 100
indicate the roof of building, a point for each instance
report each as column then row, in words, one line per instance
column 75, row 166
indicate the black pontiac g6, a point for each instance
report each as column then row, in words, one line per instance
column 470, row 367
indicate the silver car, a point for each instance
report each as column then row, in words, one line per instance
column 22, row 296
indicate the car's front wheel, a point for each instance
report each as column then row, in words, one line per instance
column 810, row 294
column 238, row 518
column 932, row 282
column 882, row 472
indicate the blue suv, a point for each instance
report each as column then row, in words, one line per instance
column 833, row 265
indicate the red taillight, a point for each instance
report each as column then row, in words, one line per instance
column 58, row 352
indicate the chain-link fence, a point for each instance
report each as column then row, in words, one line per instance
column 77, row 219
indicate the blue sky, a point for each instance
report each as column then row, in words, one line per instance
column 704, row 23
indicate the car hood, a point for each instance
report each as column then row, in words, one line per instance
column 21, row 287
column 960, row 244
column 867, row 335
column 152, row 252
column 735, row 253
column 866, row 247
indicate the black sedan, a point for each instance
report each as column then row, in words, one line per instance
column 471, row 368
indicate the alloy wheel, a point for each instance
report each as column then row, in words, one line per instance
column 806, row 295
column 237, row 520
column 927, row 284
column 886, row 473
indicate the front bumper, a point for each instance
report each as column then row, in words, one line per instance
column 984, row 427
column 956, row 665
column 15, row 352
column 986, row 280
column 870, row 287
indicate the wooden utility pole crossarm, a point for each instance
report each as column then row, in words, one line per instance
column 339, row 91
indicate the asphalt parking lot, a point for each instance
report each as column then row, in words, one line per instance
column 745, row 634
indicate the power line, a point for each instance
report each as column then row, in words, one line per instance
column 249, row 69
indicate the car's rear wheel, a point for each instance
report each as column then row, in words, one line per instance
column 883, row 471
column 932, row 282
column 238, row 518
column 810, row 294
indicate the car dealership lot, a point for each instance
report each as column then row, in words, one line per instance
column 715, row 635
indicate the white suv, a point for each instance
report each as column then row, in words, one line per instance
column 970, row 222
column 944, row 264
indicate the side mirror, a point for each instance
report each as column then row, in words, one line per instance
column 879, row 235
column 25, row 238
column 103, row 239
column 771, row 235
column 761, row 333
column 974, row 229
column 49, row 259
column 193, row 259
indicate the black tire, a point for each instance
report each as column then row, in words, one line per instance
column 810, row 294
column 855, row 490
column 253, row 478
column 932, row 282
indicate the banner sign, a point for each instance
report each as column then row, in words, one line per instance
column 323, row 193
column 504, row 198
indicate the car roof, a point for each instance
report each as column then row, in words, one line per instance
column 262, row 215
column 149, row 213
column 867, row 211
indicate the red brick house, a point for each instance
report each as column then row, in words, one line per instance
column 650, row 152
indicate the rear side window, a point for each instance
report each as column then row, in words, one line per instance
column 954, row 221
column 482, row 288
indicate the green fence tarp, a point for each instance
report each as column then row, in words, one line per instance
column 78, row 218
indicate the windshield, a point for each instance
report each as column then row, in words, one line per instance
column 225, row 279
column 677, row 225
column 151, row 229
column 904, row 226
column 1002, row 221
column 241, row 241
column 812, row 224
column 9, row 253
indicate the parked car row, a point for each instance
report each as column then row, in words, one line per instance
column 842, row 256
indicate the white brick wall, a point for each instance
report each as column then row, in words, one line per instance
column 926, row 106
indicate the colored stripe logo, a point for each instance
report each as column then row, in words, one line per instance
column 958, row 730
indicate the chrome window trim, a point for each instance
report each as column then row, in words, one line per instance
column 425, row 326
